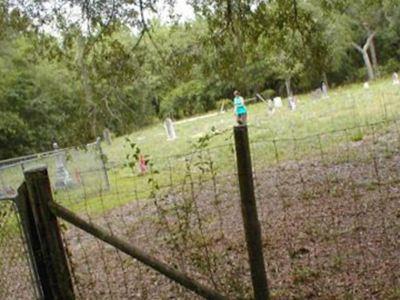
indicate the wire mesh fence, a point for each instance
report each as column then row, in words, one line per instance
column 16, row 275
column 181, row 220
column 68, row 168
column 328, row 204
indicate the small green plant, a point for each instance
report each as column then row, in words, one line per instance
column 132, row 156
column 358, row 136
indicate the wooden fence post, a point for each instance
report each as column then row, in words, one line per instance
column 249, row 214
column 32, row 242
column 48, row 250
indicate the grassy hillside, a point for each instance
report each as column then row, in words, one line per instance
column 286, row 134
column 347, row 107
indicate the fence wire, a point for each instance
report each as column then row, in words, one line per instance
column 68, row 169
column 328, row 204
column 16, row 275
column 176, row 212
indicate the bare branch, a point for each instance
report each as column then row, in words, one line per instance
column 357, row 47
column 110, row 111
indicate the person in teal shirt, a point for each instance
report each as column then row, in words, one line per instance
column 239, row 108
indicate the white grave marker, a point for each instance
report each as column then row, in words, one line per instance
column 170, row 130
column 292, row 103
column 277, row 102
column 107, row 136
column 395, row 78
column 324, row 90
column 63, row 179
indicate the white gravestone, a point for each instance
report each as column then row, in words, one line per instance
column 324, row 90
column 63, row 179
column 395, row 78
column 169, row 128
column 292, row 103
column 277, row 102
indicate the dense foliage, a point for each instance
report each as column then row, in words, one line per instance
column 113, row 68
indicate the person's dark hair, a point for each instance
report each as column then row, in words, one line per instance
column 236, row 93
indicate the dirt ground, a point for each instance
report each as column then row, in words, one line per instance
column 330, row 228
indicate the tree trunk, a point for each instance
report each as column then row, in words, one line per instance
column 368, row 65
column 373, row 55
column 364, row 52
column 288, row 87
column 374, row 58
column 325, row 79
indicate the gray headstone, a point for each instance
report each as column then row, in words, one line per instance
column 107, row 136
column 63, row 179
column 292, row 103
column 324, row 90
column 170, row 130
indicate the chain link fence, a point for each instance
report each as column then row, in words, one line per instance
column 69, row 169
column 16, row 273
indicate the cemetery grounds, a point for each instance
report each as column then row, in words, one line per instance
column 327, row 189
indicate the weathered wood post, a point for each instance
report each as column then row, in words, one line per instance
column 249, row 214
column 44, row 233
column 32, row 242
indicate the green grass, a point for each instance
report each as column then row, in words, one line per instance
column 347, row 107
column 285, row 135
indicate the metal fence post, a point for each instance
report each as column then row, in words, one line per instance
column 249, row 214
column 103, row 162
column 49, row 253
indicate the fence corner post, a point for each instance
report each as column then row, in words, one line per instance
column 54, row 274
column 251, row 223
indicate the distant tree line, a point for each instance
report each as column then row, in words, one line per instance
column 115, row 68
